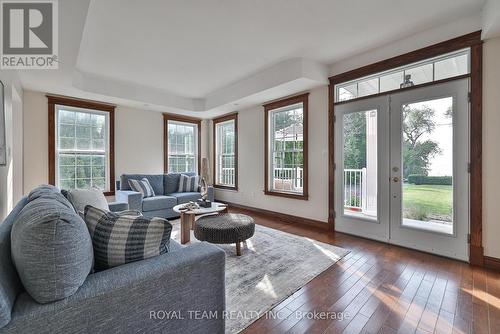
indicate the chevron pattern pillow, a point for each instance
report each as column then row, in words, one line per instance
column 119, row 239
column 143, row 186
column 189, row 183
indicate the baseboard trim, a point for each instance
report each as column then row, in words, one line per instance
column 282, row 217
column 492, row 263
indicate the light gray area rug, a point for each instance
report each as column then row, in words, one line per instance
column 273, row 265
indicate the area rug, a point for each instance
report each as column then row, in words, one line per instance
column 273, row 265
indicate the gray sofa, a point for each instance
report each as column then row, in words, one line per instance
column 134, row 297
column 165, row 187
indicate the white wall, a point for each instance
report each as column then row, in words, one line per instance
column 491, row 152
column 138, row 140
column 10, row 178
column 17, row 144
column 251, row 163
column 415, row 42
column 36, row 147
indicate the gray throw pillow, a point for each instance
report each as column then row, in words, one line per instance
column 51, row 246
column 80, row 198
column 143, row 186
column 120, row 239
column 189, row 183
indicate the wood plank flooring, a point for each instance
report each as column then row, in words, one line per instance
column 383, row 288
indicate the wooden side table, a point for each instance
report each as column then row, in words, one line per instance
column 188, row 217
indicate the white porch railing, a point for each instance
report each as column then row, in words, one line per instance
column 227, row 176
column 294, row 176
column 355, row 189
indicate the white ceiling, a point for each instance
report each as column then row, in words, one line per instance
column 206, row 56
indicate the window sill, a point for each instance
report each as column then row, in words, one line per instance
column 303, row 197
column 216, row 186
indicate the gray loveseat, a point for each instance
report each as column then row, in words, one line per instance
column 165, row 187
column 131, row 298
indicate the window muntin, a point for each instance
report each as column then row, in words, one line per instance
column 182, row 147
column 82, row 148
column 438, row 68
column 225, row 153
column 286, row 155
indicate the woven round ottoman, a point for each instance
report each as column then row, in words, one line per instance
column 225, row 228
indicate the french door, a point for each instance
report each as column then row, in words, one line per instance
column 401, row 168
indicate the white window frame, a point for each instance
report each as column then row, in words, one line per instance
column 196, row 148
column 218, row 155
column 58, row 151
column 272, row 140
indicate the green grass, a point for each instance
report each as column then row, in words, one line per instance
column 424, row 202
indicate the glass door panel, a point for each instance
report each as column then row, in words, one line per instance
column 427, row 145
column 360, row 164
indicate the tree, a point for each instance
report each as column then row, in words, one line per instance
column 355, row 140
column 417, row 153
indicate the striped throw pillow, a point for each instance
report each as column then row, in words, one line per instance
column 143, row 186
column 188, row 183
column 119, row 239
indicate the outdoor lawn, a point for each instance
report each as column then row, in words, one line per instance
column 427, row 202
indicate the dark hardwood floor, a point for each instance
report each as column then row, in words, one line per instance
column 386, row 289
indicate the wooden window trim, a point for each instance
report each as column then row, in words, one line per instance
column 303, row 98
column 472, row 41
column 54, row 100
column 185, row 119
column 215, row 121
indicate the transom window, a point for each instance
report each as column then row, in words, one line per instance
column 182, row 142
column 81, row 144
column 286, row 150
column 430, row 70
column 226, row 169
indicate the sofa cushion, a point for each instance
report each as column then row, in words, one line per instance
column 156, row 181
column 158, row 203
column 186, row 197
column 142, row 186
column 120, row 239
column 10, row 285
column 80, row 198
column 171, row 184
column 51, row 247
column 189, row 183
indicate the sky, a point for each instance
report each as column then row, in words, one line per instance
column 441, row 164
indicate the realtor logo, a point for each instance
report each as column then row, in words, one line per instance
column 29, row 34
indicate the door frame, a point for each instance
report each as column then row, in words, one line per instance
column 472, row 41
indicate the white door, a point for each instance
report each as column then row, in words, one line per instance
column 361, row 168
column 401, row 165
column 429, row 169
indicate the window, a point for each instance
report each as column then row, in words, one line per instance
column 81, row 144
column 226, row 151
column 430, row 70
column 182, row 142
column 286, row 148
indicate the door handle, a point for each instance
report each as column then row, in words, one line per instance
column 395, row 179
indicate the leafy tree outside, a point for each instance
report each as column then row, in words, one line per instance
column 417, row 153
